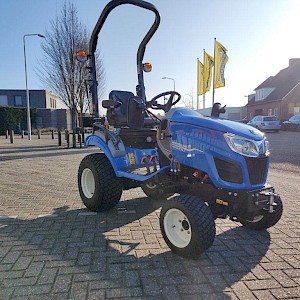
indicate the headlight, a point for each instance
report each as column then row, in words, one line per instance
column 245, row 146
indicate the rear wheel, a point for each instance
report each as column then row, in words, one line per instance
column 99, row 187
column 265, row 219
column 187, row 225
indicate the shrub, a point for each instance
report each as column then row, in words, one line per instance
column 12, row 117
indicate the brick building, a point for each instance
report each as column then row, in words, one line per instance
column 51, row 113
column 278, row 95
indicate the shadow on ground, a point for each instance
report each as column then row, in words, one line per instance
column 76, row 254
column 40, row 152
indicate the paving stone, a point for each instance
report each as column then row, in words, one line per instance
column 48, row 276
column 242, row 291
column 262, row 284
column 286, row 293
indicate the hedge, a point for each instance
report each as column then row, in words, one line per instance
column 12, row 117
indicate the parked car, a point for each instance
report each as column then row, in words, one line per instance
column 265, row 123
column 293, row 123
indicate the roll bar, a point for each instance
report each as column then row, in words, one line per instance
column 141, row 50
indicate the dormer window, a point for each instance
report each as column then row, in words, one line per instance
column 263, row 93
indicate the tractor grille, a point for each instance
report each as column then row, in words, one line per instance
column 228, row 171
column 256, row 169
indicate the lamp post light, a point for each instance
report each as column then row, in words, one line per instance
column 27, row 91
column 170, row 79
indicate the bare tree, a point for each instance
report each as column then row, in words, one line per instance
column 189, row 103
column 59, row 70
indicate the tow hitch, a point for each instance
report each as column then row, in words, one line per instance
column 271, row 198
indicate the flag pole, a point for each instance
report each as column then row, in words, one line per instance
column 198, row 83
column 213, row 94
column 203, row 80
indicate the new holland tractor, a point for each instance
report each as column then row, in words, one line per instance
column 213, row 167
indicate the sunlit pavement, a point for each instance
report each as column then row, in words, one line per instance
column 51, row 247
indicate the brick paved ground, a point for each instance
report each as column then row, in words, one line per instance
column 51, row 247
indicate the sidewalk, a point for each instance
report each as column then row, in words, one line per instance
column 52, row 247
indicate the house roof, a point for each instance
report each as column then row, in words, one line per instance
column 283, row 82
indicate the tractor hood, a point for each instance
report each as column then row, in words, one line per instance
column 188, row 116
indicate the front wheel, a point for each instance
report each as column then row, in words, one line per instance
column 99, row 187
column 187, row 225
column 265, row 219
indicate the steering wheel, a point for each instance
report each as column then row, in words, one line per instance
column 167, row 106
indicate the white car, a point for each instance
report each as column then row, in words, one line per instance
column 265, row 123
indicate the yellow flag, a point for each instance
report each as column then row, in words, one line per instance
column 221, row 59
column 208, row 65
column 200, row 78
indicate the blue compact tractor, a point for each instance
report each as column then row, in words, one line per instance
column 213, row 167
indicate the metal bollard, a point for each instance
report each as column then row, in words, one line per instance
column 74, row 139
column 59, row 137
column 68, row 139
column 52, row 133
column 11, row 136
column 22, row 134
column 82, row 136
column 6, row 133
column 39, row 134
column 79, row 140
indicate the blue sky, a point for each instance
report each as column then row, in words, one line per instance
column 260, row 35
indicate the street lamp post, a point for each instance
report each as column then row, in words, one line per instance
column 27, row 91
column 170, row 79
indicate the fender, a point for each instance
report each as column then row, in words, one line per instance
column 116, row 155
column 118, row 158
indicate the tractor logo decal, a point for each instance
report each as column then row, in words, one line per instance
column 185, row 148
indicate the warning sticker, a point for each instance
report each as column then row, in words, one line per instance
column 131, row 158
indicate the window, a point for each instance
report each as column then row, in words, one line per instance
column 52, row 103
column 270, row 112
column 3, row 100
column 270, row 119
column 18, row 101
column 259, row 95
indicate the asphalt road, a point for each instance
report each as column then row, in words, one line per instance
column 51, row 247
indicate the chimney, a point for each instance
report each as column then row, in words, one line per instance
column 294, row 61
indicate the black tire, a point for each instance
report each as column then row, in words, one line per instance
column 155, row 192
column 187, row 225
column 99, row 187
column 265, row 219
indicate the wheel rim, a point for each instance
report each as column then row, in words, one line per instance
column 177, row 228
column 88, row 183
column 151, row 185
column 256, row 219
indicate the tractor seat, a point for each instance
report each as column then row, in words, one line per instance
column 117, row 115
